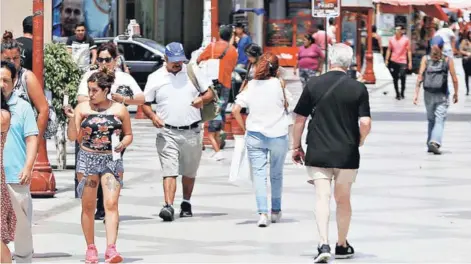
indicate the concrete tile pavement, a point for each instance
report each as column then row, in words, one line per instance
column 408, row 206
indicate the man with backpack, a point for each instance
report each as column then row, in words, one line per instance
column 433, row 73
column 226, row 55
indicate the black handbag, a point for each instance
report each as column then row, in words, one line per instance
column 125, row 91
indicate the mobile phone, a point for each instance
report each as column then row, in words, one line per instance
column 299, row 160
column 65, row 100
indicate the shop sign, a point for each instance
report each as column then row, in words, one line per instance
column 98, row 15
column 325, row 8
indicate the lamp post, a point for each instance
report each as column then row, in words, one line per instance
column 43, row 181
column 369, row 72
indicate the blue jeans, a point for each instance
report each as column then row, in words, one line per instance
column 436, row 105
column 258, row 147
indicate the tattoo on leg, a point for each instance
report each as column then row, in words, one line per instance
column 91, row 183
column 112, row 183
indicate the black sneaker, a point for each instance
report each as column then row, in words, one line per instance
column 185, row 210
column 167, row 213
column 324, row 254
column 100, row 215
column 344, row 252
column 434, row 148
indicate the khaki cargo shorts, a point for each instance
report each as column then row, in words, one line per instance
column 339, row 175
column 179, row 151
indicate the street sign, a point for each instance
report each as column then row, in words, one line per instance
column 325, row 8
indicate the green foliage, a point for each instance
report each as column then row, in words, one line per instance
column 61, row 76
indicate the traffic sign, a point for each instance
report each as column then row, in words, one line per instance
column 325, row 8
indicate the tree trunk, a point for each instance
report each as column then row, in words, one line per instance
column 61, row 148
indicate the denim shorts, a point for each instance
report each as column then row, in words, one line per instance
column 214, row 126
column 223, row 93
column 91, row 163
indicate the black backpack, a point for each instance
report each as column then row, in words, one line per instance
column 436, row 75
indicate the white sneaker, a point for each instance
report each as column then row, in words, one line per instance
column 218, row 156
column 276, row 217
column 263, row 221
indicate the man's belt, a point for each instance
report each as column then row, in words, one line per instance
column 192, row 126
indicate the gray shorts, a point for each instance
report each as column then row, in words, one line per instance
column 179, row 151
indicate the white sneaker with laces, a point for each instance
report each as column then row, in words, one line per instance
column 218, row 156
column 263, row 221
column 276, row 217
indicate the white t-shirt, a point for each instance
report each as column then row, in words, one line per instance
column 446, row 34
column 173, row 94
column 265, row 101
column 121, row 78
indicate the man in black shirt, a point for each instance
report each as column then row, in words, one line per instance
column 333, row 141
column 82, row 47
column 26, row 43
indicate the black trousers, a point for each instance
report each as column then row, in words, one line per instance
column 467, row 72
column 398, row 72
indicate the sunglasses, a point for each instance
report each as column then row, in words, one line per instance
column 101, row 60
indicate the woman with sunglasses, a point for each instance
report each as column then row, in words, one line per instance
column 107, row 56
column 124, row 90
column 97, row 125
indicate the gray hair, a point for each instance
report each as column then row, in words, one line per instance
column 340, row 55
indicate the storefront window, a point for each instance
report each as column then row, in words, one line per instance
column 144, row 13
column 279, row 33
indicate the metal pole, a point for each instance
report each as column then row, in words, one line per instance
column 43, row 181
column 326, row 46
column 38, row 40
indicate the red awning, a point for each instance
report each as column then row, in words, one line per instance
column 435, row 10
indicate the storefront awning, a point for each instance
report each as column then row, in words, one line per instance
column 412, row 2
column 459, row 4
column 357, row 3
column 435, row 11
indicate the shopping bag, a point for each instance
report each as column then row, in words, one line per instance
column 240, row 173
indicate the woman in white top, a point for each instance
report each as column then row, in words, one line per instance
column 266, row 132
column 107, row 56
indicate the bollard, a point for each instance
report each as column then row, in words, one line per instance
column 140, row 114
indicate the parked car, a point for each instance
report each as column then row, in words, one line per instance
column 143, row 56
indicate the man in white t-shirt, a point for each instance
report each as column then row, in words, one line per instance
column 178, row 119
column 449, row 38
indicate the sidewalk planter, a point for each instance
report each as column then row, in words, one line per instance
column 236, row 129
column 228, row 127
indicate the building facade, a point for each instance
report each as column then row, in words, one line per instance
column 161, row 20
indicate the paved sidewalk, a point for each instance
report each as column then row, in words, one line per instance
column 408, row 206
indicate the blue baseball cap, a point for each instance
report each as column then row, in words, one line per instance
column 175, row 52
column 437, row 40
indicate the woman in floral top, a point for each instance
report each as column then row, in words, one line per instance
column 103, row 129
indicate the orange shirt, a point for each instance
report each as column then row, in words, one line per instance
column 226, row 64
